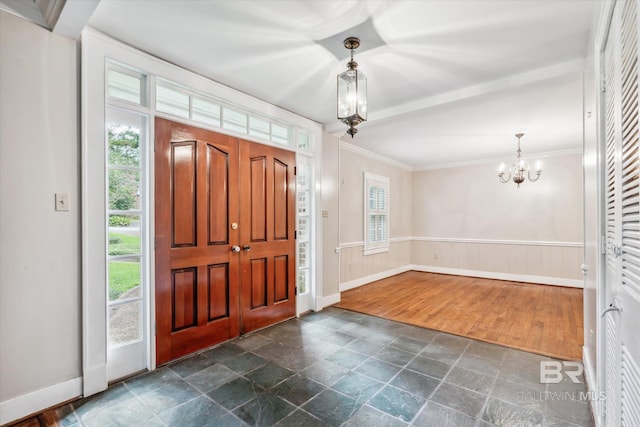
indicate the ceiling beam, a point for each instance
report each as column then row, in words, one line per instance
column 25, row 10
column 67, row 17
column 511, row 82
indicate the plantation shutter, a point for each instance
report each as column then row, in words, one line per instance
column 376, row 220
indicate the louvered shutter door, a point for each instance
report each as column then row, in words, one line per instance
column 630, row 222
column 622, row 218
column 630, row 161
column 612, row 216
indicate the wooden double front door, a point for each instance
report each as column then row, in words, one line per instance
column 225, row 244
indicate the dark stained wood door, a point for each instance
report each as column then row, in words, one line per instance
column 267, row 209
column 214, row 192
column 196, row 273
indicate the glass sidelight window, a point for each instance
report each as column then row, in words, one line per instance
column 126, row 137
column 304, row 230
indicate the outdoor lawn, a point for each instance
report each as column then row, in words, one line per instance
column 123, row 274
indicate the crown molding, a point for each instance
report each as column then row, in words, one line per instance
column 498, row 160
column 373, row 156
column 484, row 161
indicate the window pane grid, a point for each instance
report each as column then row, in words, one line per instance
column 205, row 111
column 303, row 255
column 173, row 99
column 125, row 323
column 303, row 229
column 279, row 134
column 123, row 301
column 259, row 128
column 304, row 141
column 303, row 204
column 234, row 120
column 303, row 280
column 303, row 177
column 126, row 85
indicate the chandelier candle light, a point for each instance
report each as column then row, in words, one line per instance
column 352, row 92
column 518, row 169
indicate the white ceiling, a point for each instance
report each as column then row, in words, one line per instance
column 453, row 82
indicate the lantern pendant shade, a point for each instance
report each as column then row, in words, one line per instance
column 352, row 92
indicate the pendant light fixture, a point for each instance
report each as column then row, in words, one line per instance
column 352, row 92
column 518, row 169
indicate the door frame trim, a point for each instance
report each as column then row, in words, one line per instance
column 96, row 49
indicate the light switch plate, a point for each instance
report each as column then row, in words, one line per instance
column 62, row 202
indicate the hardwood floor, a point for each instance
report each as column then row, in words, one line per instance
column 541, row 319
column 47, row 418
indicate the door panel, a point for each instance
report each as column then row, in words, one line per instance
column 218, row 203
column 214, row 192
column 258, row 283
column 281, row 279
column 183, row 197
column 268, row 259
column 280, row 201
column 197, row 275
column 258, row 201
column 183, row 298
column 218, row 291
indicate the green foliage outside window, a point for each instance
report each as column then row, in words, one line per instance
column 124, row 150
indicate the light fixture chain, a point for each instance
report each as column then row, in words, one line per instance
column 352, row 91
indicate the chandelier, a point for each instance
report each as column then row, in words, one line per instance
column 518, row 169
column 352, row 92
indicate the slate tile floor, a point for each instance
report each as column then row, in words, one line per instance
column 340, row 368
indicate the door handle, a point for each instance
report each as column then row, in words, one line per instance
column 246, row 248
column 614, row 306
column 235, row 248
column 615, row 250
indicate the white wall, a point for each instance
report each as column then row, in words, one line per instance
column 464, row 219
column 330, row 222
column 353, row 264
column 352, row 168
column 39, row 248
column 470, row 203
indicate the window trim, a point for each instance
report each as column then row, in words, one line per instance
column 371, row 179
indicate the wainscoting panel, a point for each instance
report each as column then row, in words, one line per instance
column 355, row 265
column 548, row 259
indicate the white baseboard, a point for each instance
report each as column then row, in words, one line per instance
column 544, row 280
column 592, row 386
column 328, row 300
column 36, row 401
column 372, row 278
